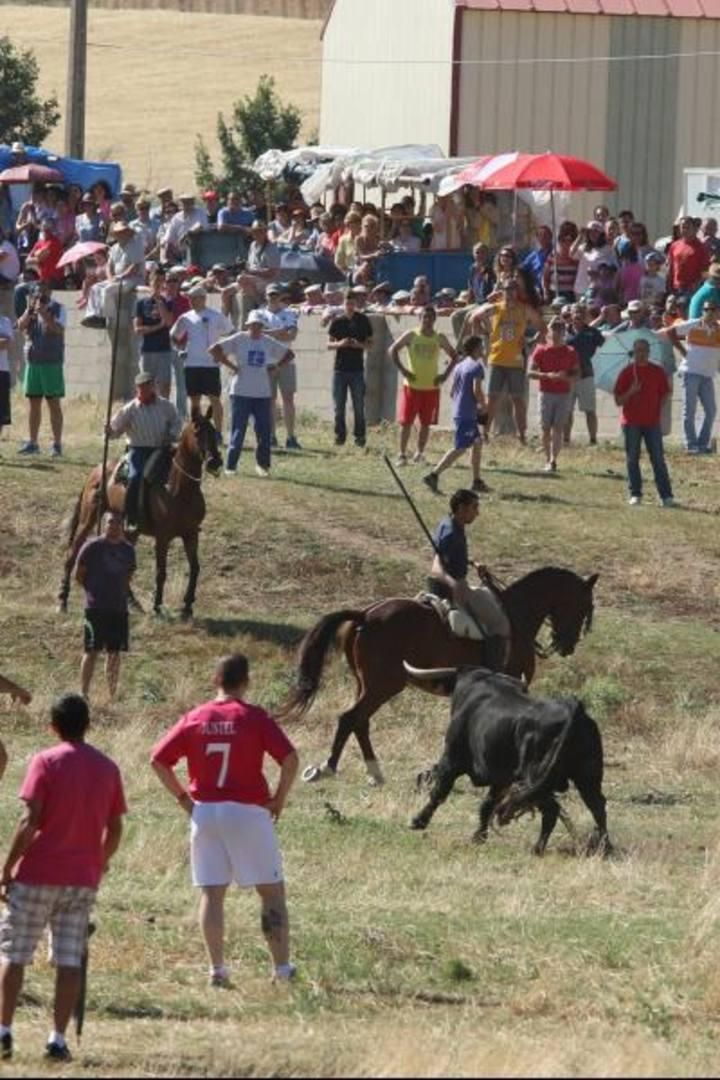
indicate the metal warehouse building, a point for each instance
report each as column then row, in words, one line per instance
column 633, row 85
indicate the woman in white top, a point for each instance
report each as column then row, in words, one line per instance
column 590, row 248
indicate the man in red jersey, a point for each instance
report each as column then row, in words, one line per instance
column 232, row 837
column 61, row 849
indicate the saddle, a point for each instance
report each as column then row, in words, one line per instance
column 459, row 622
column 155, row 474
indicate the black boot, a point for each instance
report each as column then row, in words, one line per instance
column 495, row 652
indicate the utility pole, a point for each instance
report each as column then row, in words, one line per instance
column 77, row 69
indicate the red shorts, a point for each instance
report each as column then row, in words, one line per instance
column 423, row 404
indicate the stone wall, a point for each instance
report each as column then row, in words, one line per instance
column 87, row 368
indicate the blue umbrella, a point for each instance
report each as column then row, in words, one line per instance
column 614, row 355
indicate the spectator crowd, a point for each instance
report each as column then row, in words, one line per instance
column 137, row 278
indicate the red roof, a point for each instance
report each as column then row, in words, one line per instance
column 681, row 9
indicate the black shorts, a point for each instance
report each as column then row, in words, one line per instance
column 5, row 398
column 203, row 380
column 106, row 631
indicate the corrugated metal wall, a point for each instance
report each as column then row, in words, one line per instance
column 387, row 101
column 698, row 106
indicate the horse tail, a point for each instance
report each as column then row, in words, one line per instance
column 524, row 796
column 311, row 661
column 71, row 521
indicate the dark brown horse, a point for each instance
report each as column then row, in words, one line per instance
column 175, row 510
column 380, row 638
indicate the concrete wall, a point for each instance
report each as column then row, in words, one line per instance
column 87, row 366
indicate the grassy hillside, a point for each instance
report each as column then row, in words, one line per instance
column 418, row 954
column 157, row 79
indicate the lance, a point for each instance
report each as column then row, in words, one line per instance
column 108, row 413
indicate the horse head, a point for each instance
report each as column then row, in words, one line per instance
column 572, row 614
column 207, row 440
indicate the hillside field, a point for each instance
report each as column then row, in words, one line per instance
column 417, row 954
column 157, row 79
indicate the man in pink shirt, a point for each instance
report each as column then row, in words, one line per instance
column 70, row 830
column 232, row 838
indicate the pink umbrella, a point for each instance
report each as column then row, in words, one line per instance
column 31, row 174
column 83, row 250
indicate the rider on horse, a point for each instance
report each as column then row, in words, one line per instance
column 448, row 578
column 150, row 423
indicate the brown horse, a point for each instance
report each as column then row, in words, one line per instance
column 175, row 510
column 378, row 639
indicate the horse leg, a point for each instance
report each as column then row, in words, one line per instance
column 190, row 543
column 161, row 551
column 372, row 767
column 445, row 778
column 550, row 811
column 78, row 539
column 486, row 811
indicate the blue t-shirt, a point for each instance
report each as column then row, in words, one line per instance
column 451, row 542
column 586, row 343
column 462, row 394
column 708, row 291
column 226, row 216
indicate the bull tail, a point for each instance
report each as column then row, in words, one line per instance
column 311, row 661
column 524, row 796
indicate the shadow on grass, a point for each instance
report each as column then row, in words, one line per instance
column 340, row 489
column 36, row 466
column 277, row 633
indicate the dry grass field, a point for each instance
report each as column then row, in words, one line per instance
column 158, row 78
column 418, row 954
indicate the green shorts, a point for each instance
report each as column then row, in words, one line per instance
column 44, row 380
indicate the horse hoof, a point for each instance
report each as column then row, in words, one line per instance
column 61, row 608
column 479, row 838
column 186, row 614
column 313, row 773
column 418, row 824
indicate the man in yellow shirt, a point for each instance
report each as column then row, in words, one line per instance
column 505, row 323
column 420, row 395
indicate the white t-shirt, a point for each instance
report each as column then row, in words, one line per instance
column 181, row 224
column 253, row 356
column 204, row 329
column 6, row 331
column 703, row 348
column 279, row 320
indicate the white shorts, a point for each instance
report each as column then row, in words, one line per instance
column 233, row 842
column 585, row 394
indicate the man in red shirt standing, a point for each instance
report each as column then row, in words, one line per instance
column 62, row 847
column 640, row 390
column 557, row 366
column 688, row 259
column 232, row 838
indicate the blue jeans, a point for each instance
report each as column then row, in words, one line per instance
column 137, row 458
column 652, row 436
column 702, row 387
column 242, row 409
column 354, row 381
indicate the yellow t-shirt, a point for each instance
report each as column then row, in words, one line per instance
column 507, row 336
column 424, row 351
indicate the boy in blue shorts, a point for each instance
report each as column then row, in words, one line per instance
column 469, row 409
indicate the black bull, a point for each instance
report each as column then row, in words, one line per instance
column 525, row 749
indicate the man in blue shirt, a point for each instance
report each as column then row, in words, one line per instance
column 235, row 218
column 709, row 290
column 535, row 261
column 448, row 577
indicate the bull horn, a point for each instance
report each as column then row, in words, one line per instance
column 429, row 674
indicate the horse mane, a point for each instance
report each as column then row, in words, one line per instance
column 535, row 577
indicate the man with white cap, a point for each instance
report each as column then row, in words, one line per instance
column 255, row 353
column 188, row 219
column 125, row 270
column 195, row 333
column 282, row 324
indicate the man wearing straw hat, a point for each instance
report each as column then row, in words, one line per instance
column 125, row 272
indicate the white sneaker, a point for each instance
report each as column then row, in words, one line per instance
column 400, row 461
column 259, row 471
column 635, row 500
column 230, row 472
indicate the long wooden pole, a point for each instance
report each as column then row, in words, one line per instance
column 77, row 69
column 108, row 412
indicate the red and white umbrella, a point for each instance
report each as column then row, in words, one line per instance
column 85, row 249
column 31, row 174
column 479, row 172
column 546, row 172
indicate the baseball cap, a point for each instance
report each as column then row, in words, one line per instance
column 595, row 225
column 17, row 148
column 210, row 194
column 654, row 256
column 273, row 290
column 197, row 290
column 313, row 289
column 143, row 378
column 254, row 317
column 400, row 296
column 218, row 268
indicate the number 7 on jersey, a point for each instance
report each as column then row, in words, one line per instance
column 224, row 749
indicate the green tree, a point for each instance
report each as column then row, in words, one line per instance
column 23, row 115
column 259, row 122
